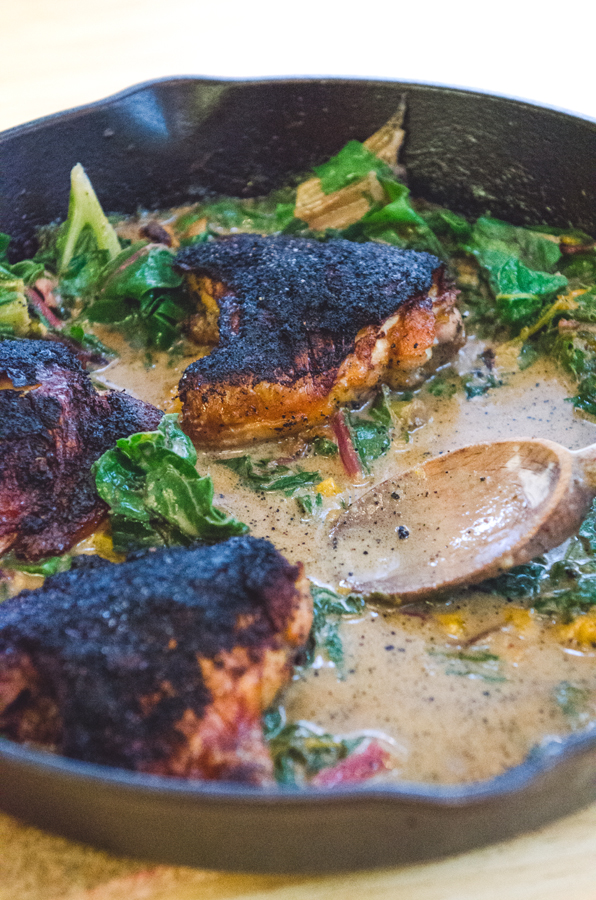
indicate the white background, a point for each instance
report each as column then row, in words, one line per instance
column 60, row 53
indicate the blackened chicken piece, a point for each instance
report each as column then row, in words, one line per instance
column 53, row 426
column 303, row 327
column 161, row 664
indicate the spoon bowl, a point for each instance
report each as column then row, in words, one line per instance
column 463, row 517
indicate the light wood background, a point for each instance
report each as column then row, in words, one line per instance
column 60, row 53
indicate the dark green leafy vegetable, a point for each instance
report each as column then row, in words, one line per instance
column 585, row 399
column 14, row 314
column 353, row 162
column 299, row 751
column 442, row 387
column 574, row 703
column 84, row 214
column 535, row 251
column 397, row 222
column 155, row 494
column 580, row 269
column 521, row 581
column 49, row 566
column 268, row 475
column 84, row 271
column 27, row 271
column 452, row 229
column 86, row 340
column 268, row 215
column 380, row 411
column 324, row 447
column 479, row 382
column 473, row 663
column 140, row 287
column 562, row 589
column 370, row 434
column 328, row 609
column 309, row 503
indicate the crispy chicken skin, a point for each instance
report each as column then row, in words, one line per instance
column 162, row 664
column 53, row 425
column 303, row 327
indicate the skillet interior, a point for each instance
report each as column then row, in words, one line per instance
column 171, row 141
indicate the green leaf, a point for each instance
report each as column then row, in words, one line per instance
column 84, row 271
column 580, row 269
column 533, row 250
column 447, row 224
column 521, row 581
column 520, row 292
column 479, row 382
column 86, row 340
column 267, row 475
column 380, row 411
column 324, row 447
column 473, row 663
column 155, row 494
column 328, row 609
column 141, row 290
column 442, row 388
column 586, row 307
column 268, row 215
column 585, row 399
column 353, row 162
column 574, row 702
column 46, row 567
column 371, row 438
column 14, row 312
column 397, row 222
column 308, row 503
column 299, row 752
column 84, row 210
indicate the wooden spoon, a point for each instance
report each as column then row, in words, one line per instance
column 463, row 517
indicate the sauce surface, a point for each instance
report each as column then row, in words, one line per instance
column 460, row 688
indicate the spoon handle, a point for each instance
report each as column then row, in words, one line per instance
column 586, row 460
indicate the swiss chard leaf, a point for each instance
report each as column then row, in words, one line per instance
column 585, row 399
column 84, row 215
column 353, row 162
column 535, row 251
column 521, row 581
column 324, row 447
column 49, row 566
column 155, row 494
column 267, row 475
column 27, row 271
column 371, row 436
column 520, row 292
column 473, row 663
column 141, row 287
column 574, row 703
column 397, row 222
column 299, row 752
column 328, row 609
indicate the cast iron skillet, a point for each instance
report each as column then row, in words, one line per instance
column 164, row 143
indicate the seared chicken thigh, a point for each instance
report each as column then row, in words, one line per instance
column 162, row 664
column 53, row 426
column 303, row 327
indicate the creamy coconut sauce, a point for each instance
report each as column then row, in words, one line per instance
column 464, row 687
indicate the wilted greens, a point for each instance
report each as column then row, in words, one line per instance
column 328, row 610
column 563, row 588
column 155, row 494
column 299, row 751
column 353, row 162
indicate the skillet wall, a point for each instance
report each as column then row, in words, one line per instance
column 174, row 141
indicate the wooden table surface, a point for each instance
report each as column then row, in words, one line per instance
column 64, row 53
